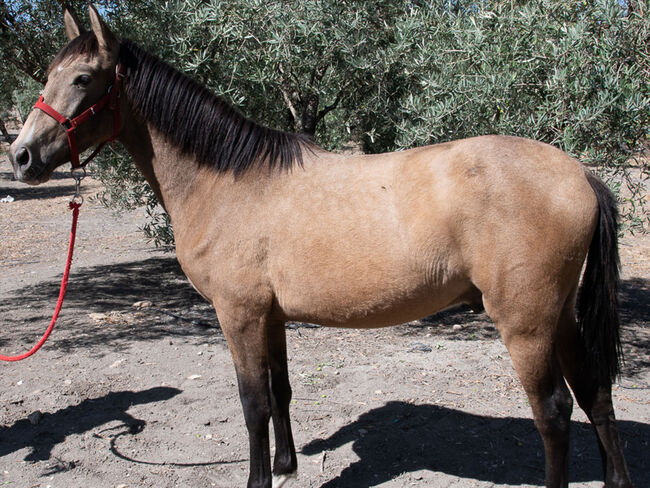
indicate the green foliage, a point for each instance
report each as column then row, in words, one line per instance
column 29, row 35
column 25, row 92
column 288, row 63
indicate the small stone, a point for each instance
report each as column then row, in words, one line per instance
column 194, row 377
column 67, row 382
column 419, row 347
column 457, row 327
column 98, row 317
column 35, row 417
column 142, row 304
column 208, row 436
column 116, row 363
column 121, row 485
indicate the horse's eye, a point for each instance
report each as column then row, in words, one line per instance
column 82, row 80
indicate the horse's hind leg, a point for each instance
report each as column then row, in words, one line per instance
column 285, row 463
column 594, row 398
column 528, row 335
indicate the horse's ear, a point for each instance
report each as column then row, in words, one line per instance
column 72, row 27
column 107, row 41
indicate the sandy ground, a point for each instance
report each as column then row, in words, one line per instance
column 127, row 397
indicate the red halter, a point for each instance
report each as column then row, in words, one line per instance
column 111, row 99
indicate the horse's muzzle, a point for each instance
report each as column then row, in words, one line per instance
column 27, row 168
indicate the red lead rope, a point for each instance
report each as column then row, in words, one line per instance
column 74, row 206
column 110, row 100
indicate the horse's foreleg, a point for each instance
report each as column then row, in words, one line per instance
column 595, row 399
column 247, row 341
column 530, row 345
column 285, row 463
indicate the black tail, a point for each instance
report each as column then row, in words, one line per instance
column 598, row 298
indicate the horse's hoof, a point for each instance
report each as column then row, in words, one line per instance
column 280, row 479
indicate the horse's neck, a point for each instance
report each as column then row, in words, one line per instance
column 171, row 174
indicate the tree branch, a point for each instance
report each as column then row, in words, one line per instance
column 30, row 69
column 287, row 99
column 328, row 108
column 290, row 106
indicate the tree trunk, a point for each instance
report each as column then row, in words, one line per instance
column 5, row 132
column 309, row 118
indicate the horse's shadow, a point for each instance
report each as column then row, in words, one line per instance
column 401, row 437
column 53, row 428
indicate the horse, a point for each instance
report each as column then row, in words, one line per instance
column 271, row 228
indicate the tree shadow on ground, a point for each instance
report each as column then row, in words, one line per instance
column 635, row 317
column 53, row 428
column 37, row 192
column 57, row 175
column 111, row 290
column 401, row 437
column 635, row 333
column 26, row 192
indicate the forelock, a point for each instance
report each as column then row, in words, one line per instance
column 85, row 44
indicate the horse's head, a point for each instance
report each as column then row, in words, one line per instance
column 79, row 76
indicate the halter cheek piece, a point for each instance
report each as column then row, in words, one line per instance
column 110, row 100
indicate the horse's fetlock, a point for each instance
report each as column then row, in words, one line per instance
column 279, row 480
column 285, row 463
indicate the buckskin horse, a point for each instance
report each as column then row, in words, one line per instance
column 270, row 228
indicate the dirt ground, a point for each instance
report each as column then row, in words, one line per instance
column 146, row 397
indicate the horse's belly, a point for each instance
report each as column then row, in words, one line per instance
column 364, row 306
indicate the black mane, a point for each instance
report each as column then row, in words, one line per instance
column 200, row 123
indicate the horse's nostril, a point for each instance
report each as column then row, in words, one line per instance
column 22, row 157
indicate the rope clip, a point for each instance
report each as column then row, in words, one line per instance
column 78, row 174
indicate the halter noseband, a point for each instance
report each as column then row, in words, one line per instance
column 110, row 100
